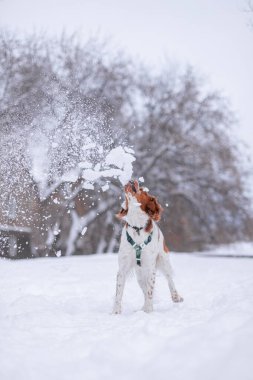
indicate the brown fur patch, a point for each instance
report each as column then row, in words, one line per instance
column 121, row 214
column 149, row 204
column 149, row 226
column 166, row 249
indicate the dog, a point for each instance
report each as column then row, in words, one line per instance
column 142, row 246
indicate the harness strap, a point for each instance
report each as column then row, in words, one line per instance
column 138, row 247
column 137, row 229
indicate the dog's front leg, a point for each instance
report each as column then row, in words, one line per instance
column 149, row 290
column 121, row 279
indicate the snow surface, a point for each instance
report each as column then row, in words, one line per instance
column 55, row 321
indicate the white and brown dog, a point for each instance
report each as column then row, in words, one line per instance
column 142, row 246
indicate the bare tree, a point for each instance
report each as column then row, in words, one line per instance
column 61, row 100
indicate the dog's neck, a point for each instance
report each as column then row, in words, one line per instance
column 135, row 215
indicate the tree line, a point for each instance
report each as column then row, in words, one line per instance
column 64, row 103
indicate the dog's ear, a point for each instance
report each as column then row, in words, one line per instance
column 154, row 209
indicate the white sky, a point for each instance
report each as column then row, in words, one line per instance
column 212, row 35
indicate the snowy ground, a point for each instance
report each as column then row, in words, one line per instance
column 55, row 321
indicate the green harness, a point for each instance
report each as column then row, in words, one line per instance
column 138, row 247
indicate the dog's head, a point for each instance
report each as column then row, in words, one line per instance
column 144, row 200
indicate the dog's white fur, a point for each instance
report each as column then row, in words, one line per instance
column 153, row 256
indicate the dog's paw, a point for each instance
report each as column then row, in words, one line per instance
column 147, row 308
column 176, row 297
column 116, row 310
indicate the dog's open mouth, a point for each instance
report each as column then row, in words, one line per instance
column 132, row 185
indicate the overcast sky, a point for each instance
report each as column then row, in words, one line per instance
column 212, row 35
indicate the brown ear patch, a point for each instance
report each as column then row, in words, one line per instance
column 149, row 204
column 153, row 208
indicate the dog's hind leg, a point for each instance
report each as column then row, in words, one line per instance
column 163, row 264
